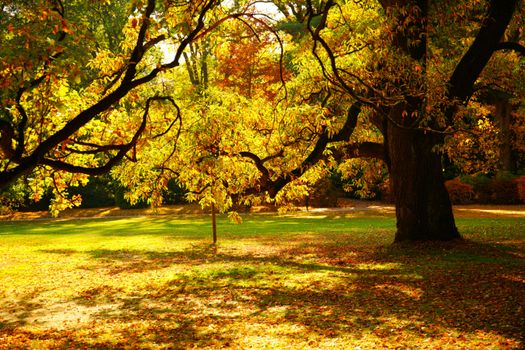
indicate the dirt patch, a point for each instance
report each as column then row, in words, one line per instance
column 349, row 206
column 490, row 211
column 56, row 316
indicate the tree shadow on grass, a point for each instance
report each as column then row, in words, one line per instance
column 427, row 292
column 19, row 313
column 462, row 293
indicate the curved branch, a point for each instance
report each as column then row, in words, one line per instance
column 479, row 53
column 317, row 39
column 174, row 149
column 178, row 118
column 123, row 149
column 154, row 42
column 317, row 154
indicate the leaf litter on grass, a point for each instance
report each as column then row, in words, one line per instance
column 321, row 290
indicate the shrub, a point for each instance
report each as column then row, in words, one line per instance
column 13, row 197
column 479, row 182
column 502, row 191
column 459, row 192
column 325, row 194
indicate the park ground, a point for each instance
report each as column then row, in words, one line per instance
column 344, row 206
column 317, row 279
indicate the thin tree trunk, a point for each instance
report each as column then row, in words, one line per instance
column 214, row 223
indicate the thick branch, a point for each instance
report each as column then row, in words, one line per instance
column 317, row 154
column 350, row 124
column 512, row 46
column 139, row 49
column 265, row 173
column 479, row 53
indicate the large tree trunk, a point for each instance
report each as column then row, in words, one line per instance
column 423, row 207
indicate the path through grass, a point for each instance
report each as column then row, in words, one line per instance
column 292, row 282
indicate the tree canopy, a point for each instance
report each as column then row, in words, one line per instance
column 247, row 101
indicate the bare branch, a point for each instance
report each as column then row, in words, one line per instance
column 359, row 150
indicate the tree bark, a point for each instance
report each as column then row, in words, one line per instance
column 423, row 207
column 503, row 117
column 214, row 223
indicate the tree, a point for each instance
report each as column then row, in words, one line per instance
column 60, row 117
column 236, row 140
column 413, row 106
column 387, row 79
column 382, row 64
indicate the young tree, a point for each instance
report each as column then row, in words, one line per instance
column 240, row 134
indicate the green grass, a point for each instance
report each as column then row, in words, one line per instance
column 274, row 282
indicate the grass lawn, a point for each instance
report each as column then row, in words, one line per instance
column 308, row 281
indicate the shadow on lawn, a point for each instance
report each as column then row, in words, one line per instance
column 435, row 291
column 19, row 313
column 396, row 294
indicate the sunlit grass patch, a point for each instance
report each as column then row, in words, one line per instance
column 273, row 282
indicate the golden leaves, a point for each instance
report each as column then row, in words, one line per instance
column 303, row 282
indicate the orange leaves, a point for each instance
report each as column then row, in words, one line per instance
column 250, row 64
